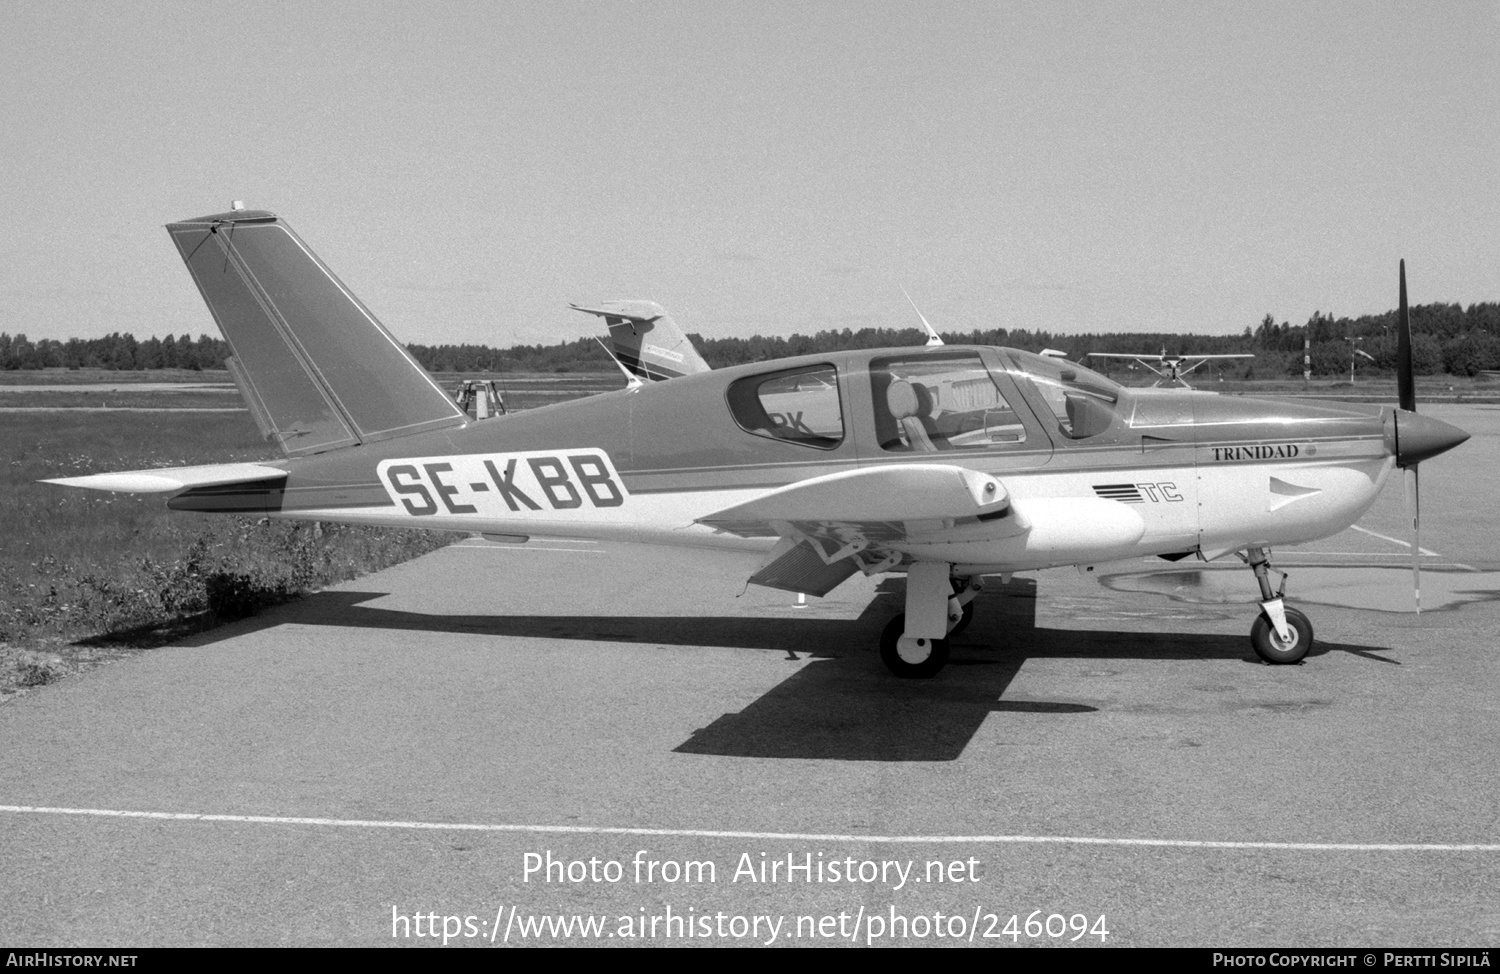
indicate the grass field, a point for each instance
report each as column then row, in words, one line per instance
column 1429, row 388
column 19, row 377
column 87, row 575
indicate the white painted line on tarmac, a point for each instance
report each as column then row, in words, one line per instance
column 768, row 836
column 1382, row 537
column 1309, row 559
column 480, row 541
column 524, row 547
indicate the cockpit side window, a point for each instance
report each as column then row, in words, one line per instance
column 798, row 406
column 935, row 404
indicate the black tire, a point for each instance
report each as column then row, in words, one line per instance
column 923, row 670
column 963, row 623
column 1271, row 649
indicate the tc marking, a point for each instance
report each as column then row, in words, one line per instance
column 1139, row 493
column 494, row 485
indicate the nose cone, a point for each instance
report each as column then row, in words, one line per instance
column 1420, row 437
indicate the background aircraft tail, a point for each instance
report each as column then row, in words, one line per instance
column 645, row 339
column 316, row 368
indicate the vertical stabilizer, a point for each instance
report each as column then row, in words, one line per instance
column 645, row 339
column 318, row 371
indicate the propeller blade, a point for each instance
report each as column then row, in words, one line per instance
column 1406, row 393
column 1406, row 389
column 1414, row 504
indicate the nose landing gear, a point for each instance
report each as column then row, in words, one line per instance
column 1280, row 635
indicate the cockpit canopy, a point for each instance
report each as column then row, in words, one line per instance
column 929, row 400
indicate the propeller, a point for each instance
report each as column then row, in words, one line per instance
column 1415, row 438
column 1406, row 397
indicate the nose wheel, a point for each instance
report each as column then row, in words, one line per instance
column 1280, row 635
column 1276, row 649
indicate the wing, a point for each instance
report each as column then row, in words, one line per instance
column 222, row 487
column 1127, row 355
column 832, row 526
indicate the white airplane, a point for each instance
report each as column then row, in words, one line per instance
column 1173, row 367
column 945, row 464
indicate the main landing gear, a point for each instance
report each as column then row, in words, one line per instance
column 914, row 645
column 1280, row 634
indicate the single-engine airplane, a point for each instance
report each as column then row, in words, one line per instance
column 945, row 463
column 1175, row 366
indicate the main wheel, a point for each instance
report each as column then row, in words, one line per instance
column 917, row 659
column 1271, row 648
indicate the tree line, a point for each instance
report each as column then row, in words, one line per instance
column 1446, row 338
column 114, row 352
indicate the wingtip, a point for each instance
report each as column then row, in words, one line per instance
column 129, row 482
column 170, row 479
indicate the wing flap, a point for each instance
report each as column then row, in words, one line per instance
column 797, row 566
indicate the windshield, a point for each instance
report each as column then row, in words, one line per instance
column 1082, row 401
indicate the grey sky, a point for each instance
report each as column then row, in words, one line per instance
column 469, row 169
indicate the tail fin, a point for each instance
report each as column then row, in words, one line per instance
column 645, row 339
column 315, row 367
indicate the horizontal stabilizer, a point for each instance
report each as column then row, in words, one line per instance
column 895, row 492
column 167, row 480
column 637, row 313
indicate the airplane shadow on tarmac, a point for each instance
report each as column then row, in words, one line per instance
column 843, row 705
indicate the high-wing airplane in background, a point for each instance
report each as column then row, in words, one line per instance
column 945, row 463
column 1173, row 367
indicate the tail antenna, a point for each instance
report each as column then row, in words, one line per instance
column 632, row 381
column 932, row 336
